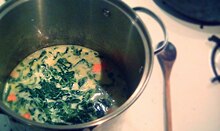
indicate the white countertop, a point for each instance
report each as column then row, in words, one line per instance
column 195, row 100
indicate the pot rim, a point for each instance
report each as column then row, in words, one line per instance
column 146, row 69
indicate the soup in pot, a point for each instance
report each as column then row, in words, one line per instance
column 65, row 84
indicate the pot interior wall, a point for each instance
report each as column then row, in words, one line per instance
column 95, row 24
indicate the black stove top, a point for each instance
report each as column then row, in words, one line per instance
column 169, row 9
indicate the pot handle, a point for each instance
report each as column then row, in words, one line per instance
column 154, row 16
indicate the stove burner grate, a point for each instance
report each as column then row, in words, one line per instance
column 213, row 57
column 170, row 10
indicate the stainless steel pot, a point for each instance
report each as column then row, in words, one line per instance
column 108, row 26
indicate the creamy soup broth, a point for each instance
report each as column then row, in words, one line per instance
column 64, row 84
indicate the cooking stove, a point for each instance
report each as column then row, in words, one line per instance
column 194, row 95
column 169, row 9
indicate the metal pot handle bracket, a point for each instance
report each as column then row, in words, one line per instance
column 154, row 16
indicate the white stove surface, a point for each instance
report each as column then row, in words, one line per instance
column 195, row 100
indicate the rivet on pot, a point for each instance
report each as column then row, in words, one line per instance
column 141, row 69
column 106, row 12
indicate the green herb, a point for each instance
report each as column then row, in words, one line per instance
column 76, row 92
column 30, row 74
column 43, row 59
column 7, row 92
column 96, row 54
column 66, row 51
column 22, row 64
column 32, row 111
column 32, row 62
column 49, row 90
column 82, row 81
column 91, row 75
column 67, row 79
column 40, row 117
column 77, row 52
column 88, row 94
column 63, row 64
column 83, row 61
column 56, row 56
column 42, row 54
column 72, row 100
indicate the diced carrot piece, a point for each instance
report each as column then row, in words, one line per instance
column 97, row 67
column 12, row 97
column 27, row 115
column 14, row 74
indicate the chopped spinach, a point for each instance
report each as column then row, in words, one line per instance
column 82, row 81
column 52, row 93
column 67, row 79
column 63, row 64
column 43, row 53
column 91, row 75
column 49, row 90
column 96, row 54
column 32, row 110
column 40, row 117
column 43, row 59
column 66, row 51
column 56, row 56
column 32, row 62
column 84, row 62
column 72, row 100
column 77, row 52
column 77, row 92
column 87, row 95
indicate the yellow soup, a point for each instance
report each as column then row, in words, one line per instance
column 65, row 84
